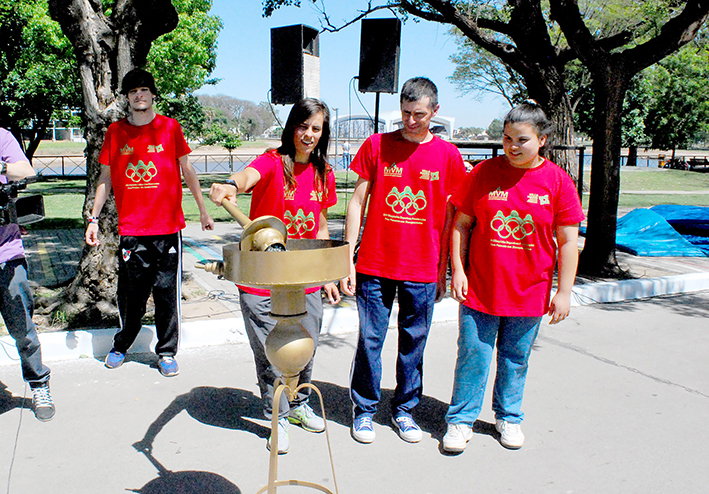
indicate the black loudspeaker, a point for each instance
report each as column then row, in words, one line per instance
column 379, row 56
column 295, row 64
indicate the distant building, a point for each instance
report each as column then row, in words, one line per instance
column 361, row 126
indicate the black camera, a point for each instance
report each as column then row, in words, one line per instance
column 23, row 210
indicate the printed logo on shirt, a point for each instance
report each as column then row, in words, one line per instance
column 497, row 195
column 299, row 224
column 512, row 227
column 126, row 150
column 406, row 201
column 393, row 171
column 140, row 174
column 126, row 255
column 537, row 199
column 429, row 175
column 156, row 149
column 288, row 193
column 316, row 195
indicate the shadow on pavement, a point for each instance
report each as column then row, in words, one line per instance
column 429, row 414
column 682, row 304
column 220, row 407
column 187, row 482
column 9, row 402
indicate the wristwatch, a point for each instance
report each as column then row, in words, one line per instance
column 3, row 170
column 231, row 182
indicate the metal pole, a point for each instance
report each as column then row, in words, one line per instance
column 579, row 183
column 337, row 133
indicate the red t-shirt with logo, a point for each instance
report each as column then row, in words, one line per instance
column 410, row 185
column 146, row 175
column 512, row 251
column 299, row 209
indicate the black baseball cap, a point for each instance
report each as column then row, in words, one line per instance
column 138, row 78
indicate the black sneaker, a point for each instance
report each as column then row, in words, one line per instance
column 43, row 405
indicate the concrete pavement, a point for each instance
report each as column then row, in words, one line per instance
column 615, row 402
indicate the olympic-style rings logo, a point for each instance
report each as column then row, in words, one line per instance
column 141, row 171
column 513, row 225
column 406, row 201
column 299, row 224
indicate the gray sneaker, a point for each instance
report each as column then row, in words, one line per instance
column 283, row 441
column 42, row 403
column 304, row 416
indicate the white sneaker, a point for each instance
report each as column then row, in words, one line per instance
column 457, row 437
column 510, row 434
column 283, row 440
column 304, row 416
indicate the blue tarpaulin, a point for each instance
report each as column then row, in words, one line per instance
column 644, row 232
column 692, row 222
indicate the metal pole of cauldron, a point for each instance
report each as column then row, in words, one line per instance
column 288, row 346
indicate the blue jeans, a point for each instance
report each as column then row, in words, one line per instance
column 375, row 299
column 478, row 333
column 17, row 306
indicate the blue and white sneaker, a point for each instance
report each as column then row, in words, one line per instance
column 407, row 428
column 168, row 366
column 362, row 428
column 114, row 359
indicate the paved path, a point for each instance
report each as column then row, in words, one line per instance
column 615, row 403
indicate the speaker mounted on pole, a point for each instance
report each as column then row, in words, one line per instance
column 379, row 55
column 295, row 64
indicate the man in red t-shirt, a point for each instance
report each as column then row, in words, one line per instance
column 145, row 157
column 407, row 177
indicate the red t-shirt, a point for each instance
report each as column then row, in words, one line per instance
column 146, row 175
column 299, row 209
column 410, row 185
column 512, row 252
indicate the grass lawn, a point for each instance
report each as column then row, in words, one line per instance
column 67, row 148
column 64, row 198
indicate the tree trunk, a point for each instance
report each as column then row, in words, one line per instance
column 106, row 49
column 562, row 120
column 632, row 155
column 598, row 256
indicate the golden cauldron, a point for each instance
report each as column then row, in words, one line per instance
column 259, row 261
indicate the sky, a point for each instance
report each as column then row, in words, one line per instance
column 244, row 60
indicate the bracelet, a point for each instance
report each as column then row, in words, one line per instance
column 232, row 183
column 3, row 170
column 93, row 220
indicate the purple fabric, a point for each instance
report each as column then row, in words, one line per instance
column 10, row 240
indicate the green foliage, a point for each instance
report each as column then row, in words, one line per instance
column 269, row 6
column 37, row 72
column 187, row 110
column 478, row 72
column 246, row 117
column 183, row 59
column 495, row 129
column 679, row 108
column 217, row 135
